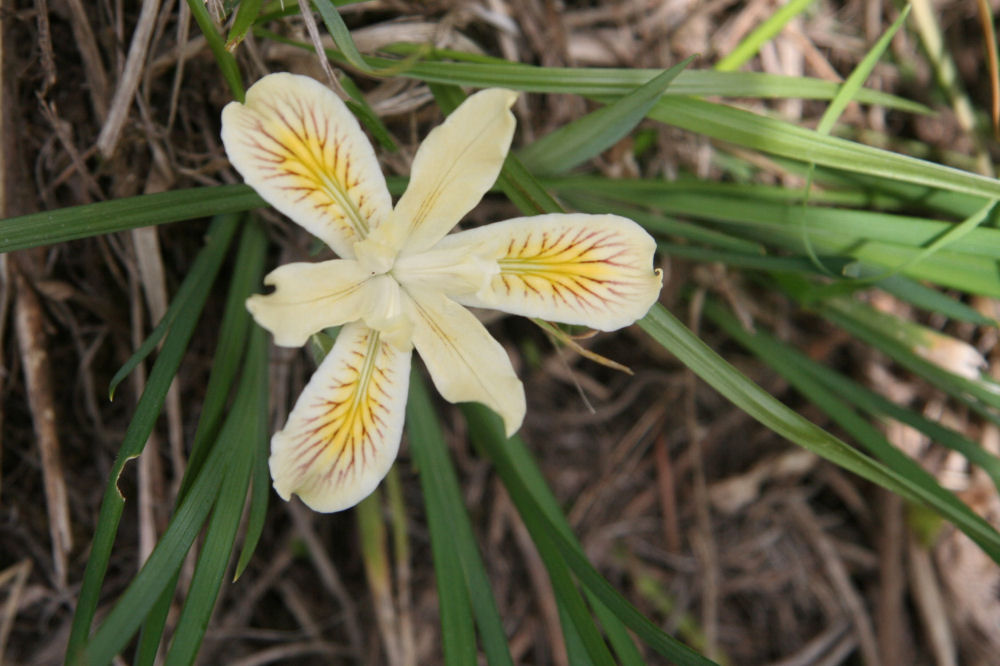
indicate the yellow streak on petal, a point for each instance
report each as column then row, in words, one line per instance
column 592, row 270
column 310, row 162
column 297, row 144
column 588, row 270
column 344, row 432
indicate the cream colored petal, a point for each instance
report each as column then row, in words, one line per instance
column 310, row 297
column 465, row 362
column 592, row 270
column 453, row 271
column 300, row 148
column 387, row 313
column 343, row 434
column 454, row 167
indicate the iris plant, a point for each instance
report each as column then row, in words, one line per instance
column 403, row 281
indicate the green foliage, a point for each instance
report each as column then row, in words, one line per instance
column 868, row 218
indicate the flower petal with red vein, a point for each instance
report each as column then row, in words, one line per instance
column 303, row 151
column 591, row 270
column 343, row 433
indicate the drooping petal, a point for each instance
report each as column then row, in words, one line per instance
column 592, row 270
column 465, row 362
column 343, row 434
column 453, row 168
column 300, row 148
column 310, row 297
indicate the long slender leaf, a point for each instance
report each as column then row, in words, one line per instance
column 226, row 61
column 246, row 15
column 837, row 228
column 777, row 137
column 445, row 500
column 803, row 375
column 231, row 344
column 239, row 437
column 487, row 433
column 66, row 224
column 549, row 529
column 855, row 81
column 770, row 263
column 528, row 195
column 192, row 287
column 847, row 92
column 929, row 299
column 586, row 137
column 854, row 317
column 246, row 275
column 426, row 447
column 577, row 623
column 870, row 401
column 341, row 34
column 598, row 82
column 124, row 619
column 219, row 235
column 867, row 192
column 749, row 46
column 261, row 488
column 766, row 409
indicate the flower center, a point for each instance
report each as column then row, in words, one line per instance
column 374, row 256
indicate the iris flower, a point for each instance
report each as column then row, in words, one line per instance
column 402, row 281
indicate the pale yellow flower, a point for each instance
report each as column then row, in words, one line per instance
column 402, row 281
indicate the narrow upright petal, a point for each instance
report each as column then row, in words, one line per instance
column 343, row 434
column 454, row 167
column 465, row 362
column 592, row 270
column 300, row 148
column 310, row 297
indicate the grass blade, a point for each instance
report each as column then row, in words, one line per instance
column 246, row 15
column 543, row 517
column 341, row 35
column 227, row 358
column 159, row 570
column 462, row 578
column 242, row 427
column 105, row 217
column 931, row 300
column 486, row 432
column 193, row 283
column 481, row 72
column 586, row 137
column 598, row 82
column 219, row 235
column 766, row 409
column 751, row 44
column 246, row 277
column 777, row 137
column 260, row 489
column 223, row 58
column 803, row 374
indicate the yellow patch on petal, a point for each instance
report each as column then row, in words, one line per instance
column 343, row 434
column 302, row 150
column 592, row 270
